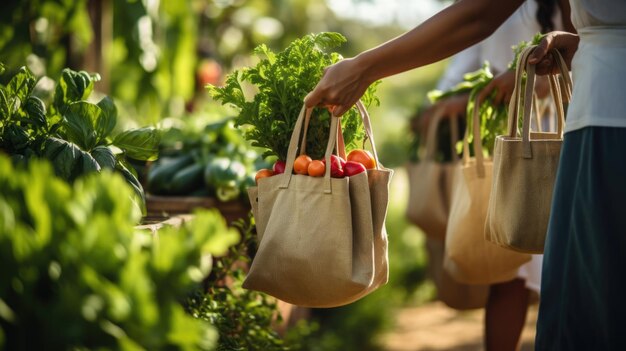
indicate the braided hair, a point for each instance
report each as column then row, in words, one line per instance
column 544, row 14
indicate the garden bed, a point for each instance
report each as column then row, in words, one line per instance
column 168, row 206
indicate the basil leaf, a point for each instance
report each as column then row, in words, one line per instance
column 73, row 86
column 134, row 182
column 79, row 124
column 107, row 120
column 104, row 156
column 140, row 144
column 68, row 160
column 5, row 109
column 22, row 84
column 36, row 110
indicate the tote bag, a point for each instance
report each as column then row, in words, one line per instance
column 525, row 166
column 469, row 257
column 430, row 184
column 450, row 291
column 322, row 240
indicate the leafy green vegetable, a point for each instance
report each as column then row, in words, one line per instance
column 140, row 144
column 282, row 80
column 75, row 134
column 492, row 118
column 517, row 49
column 78, row 275
column 73, row 86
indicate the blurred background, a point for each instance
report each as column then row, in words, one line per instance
column 155, row 57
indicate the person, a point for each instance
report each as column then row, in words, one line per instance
column 582, row 305
column 507, row 303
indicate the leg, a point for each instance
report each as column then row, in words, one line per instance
column 505, row 315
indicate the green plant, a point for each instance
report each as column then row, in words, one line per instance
column 244, row 318
column 283, row 79
column 493, row 117
column 73, row 133
column 78, row 275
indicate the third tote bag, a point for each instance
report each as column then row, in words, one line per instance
column 469, row 257
column 430, row 183
column 525, row 165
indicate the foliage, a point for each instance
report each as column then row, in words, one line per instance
column 517, row 49
column 244, row 319
column 493, row 117
column 78, row 275
column 73, row 133
column 283, row 80
column 153, row 60
column 38, row 31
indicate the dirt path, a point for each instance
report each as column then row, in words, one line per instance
column 434, row 327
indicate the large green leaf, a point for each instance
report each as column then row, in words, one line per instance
column 68, row 160
column 107, row 120
column 15, row 137
column 22, row 84
column 104, row 156
column 5, row 109
column 73, row 86
column 134, row 182
column 80, row 119
column 36, row 111
column 140, row 144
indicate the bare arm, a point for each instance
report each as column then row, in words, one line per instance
column 448, row 32
column 566, row 13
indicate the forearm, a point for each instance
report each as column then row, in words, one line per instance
column 450, row 31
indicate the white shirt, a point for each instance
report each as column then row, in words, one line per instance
column 599, row 65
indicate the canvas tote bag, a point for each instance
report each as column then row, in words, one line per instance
column 430, row 184
column 322, row 241
column 469, row 258
column 525, row 166
column 450, row 291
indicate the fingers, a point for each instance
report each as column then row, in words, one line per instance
column 339, row 110
column 486, row 91
column 542, row 49
column 313, row 98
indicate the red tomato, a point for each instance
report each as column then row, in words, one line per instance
column 279, row 167
column 336, row 169
column 353, row 168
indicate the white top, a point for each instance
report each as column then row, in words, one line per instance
column 497, row 48
column 599, row 65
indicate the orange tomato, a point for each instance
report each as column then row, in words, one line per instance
column 316, row 168
column 262, row 173
column 301, row 164
column 363, row 157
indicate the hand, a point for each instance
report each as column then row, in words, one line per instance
column 452, row 107
column 501, row 86
column 341, row 86
column 566, row 43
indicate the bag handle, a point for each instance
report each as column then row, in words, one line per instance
column 367, row 125
column 305, row 114
column 341, row 147
column 514, row 106
column 431, row 135
column 478, row 145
